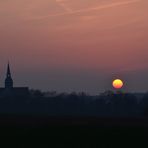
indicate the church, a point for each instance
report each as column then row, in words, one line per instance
column 9, row 90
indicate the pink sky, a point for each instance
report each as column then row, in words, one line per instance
column 75, row 44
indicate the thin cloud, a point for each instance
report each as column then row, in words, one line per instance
column 70, row 12
column 64, row 6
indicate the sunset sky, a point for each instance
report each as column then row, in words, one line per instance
column 75, row 45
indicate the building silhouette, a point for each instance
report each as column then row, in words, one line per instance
column 9, row 90
column 8, row 80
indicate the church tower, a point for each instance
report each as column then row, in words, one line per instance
column 8, row 80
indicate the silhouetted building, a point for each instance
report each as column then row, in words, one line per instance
column 9, row 90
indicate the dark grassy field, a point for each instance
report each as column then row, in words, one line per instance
column 37, row 125
column 35, row 131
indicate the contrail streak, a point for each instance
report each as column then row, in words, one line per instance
column 91, row 9
column 64, row 6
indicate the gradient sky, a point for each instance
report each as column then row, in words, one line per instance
column 75, row 45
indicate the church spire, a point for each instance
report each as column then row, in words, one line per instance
column 8, row 71
column 8, row 80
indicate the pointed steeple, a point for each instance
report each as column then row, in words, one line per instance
column 8, row 80
column 8, row 71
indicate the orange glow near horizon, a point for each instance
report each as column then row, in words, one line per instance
column 117, row 84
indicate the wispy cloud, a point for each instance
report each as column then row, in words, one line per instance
column 97, row 8
column 64, row 6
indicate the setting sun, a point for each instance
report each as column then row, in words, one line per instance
column 117, row 84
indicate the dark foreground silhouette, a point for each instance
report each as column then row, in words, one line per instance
column 36, row 125
column 73, row 131
column 74, row 120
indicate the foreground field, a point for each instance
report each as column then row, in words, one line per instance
column 35, row 131
column 37, row 125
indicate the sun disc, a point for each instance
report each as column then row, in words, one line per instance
column 117, row 84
